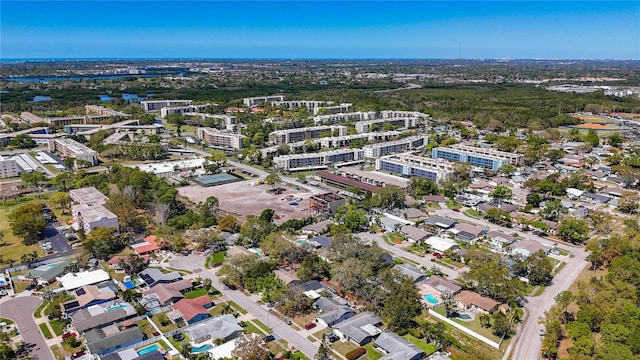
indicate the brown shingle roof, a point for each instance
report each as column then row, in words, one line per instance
column 485, row 303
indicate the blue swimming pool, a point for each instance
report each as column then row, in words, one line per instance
column 149, row 349
column 119, row 306
column 431, row 299
column 129, row 284
column 199, row 349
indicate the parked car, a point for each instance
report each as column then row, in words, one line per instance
column 268, row 338
column 287, row 321
column 437, row 255
column 332, row 337
column 310, row 326
column 68, row 335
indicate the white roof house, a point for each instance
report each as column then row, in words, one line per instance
column 73, row 281
column 441, row 245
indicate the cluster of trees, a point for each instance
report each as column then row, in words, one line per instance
column 604, row 320
column 489, row 275
column 135, row 151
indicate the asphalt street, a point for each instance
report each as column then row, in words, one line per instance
column 21, row 310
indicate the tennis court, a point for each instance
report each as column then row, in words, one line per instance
column 217, row 179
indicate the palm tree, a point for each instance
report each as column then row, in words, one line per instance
column 273, row 180
column 485, row 320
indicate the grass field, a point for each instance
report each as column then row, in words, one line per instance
column 45, row 331
column 57, row 327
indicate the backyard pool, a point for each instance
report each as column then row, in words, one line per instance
column 149, row 349
column 129, row 284
column 464, row 317
column 431, row 299
column 199, row 349
column 256, row 251
column 119, row 306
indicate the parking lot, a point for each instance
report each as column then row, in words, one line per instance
column 242, row 199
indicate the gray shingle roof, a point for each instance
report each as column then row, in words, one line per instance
column 398, row 348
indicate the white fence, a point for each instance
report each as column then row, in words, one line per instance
column 465, row 329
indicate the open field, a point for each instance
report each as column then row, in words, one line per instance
column 240, row 199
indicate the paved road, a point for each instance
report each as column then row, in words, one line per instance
column 21, row 310
column 58, row 241
column 400, row 252
column 285, row 331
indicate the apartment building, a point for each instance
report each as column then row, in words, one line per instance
column 334, row 109
column 31, row 118
column 182, row 109
column 255, row 101
column 157, row 105
column 301, row 134
column 228, row 120
column 390, row 114
column 296, row 104
column 393, row 147
column 372, row 178
column 321, row 160
column 70, row 148
column 413, row 165
column 215, row 137
column 340, row 141
column 101, row 110
column 344, row 117
column 403, row 123
column 89, row 211
column 481, row 157
column 8, row 168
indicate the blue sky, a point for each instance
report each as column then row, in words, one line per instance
column 307, row 29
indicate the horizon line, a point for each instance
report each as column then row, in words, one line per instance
column 54, row 59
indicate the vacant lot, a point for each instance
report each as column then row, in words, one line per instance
column 242, row 199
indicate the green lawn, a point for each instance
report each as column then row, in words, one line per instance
column 45, row 331
column 218, row 257
column 343, row 347
column 178, row 344
column 372, row 354
column 261, row 325
column 145, row 326
column 163, row 329
column 195, row 293
column 238, row 308
column 7, row 321
column 57, row 327
column 473, row 325
column 427, row 348
column 253, row 328
column 473, row 213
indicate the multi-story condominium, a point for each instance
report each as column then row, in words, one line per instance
column 8, row 168
column 228, row 120
column 344, row 117
column 413, row 165
column 215, row 137
column 101, row 110
column 296, row 104
column 182, row 109
column 372, row 177
column 388, row 114
column 403, row 123
column 301, row 134
column 340, row 141
column 31, row 118
column 255, row 101
column 514, row 159
column 334, row 109
column 70, row 148
column 89, row 211
column 157, row 105
column 393, row 147
column 473, row 158
column 321, row 160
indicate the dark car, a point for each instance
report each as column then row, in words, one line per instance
column 268, row 338
column 456, row 210
column 331, row 337
column 310, row 326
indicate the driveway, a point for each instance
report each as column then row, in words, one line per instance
column 58, row 241
column 21, row 311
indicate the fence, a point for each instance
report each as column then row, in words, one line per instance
column 465, row 330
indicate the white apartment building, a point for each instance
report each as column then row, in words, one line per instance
column 31, row 118
column 296, row 104
column 70, row 148
column 8, row 168
column 157, row 105
column 409, row 165
column 321, row 160
column 255, row 101
column 215, row 137
column 344, row 117
column 398, row 146
column 402, row 123
column 301, row 134
column 514, row 159
column 182, row 109
column 228, row 120
column 101, row 110
column 334, row 109
column 388, row 114
column 89, row 211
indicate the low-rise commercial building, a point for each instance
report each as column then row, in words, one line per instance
column 320, row 160
column 415, row 142
column 217, row 138
column 409, row 165
column 301, row 134
column 70, row 148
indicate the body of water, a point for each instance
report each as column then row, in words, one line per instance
column 69, row 78
column 39, row 98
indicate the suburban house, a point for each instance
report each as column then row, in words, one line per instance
column 104, row 341
column 191, row 311
column 153, row 277
column 131, row 354
column 115, row 261
column 98, row 317
column 440, row 285
column 48, row 273
column 413, row 214
column 469, row 300
column 486, row 206
column 220, row 327
column 87, row 296
column 413, row 233
column 441, row 244
column 441, row 222
column 333, row 311
column 525, row 248
column 167, row 294
column 288, row 279
column 412, row 271
column 499, row 240
column 322, row 240
column 72, row 281
column 359, row 329
column 467, row 232
column 148, row 246
column 438, row 199
column 397, row 348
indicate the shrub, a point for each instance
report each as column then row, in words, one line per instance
column 403, row 332
column 356, row 353
column 416, row 333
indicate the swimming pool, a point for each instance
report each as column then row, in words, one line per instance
column 119, row 306
column 129, row 284
column 302, row 241
column 464, row 316
column 256, row 251
column 199, row 349
column 149, row 349
column 431, row 299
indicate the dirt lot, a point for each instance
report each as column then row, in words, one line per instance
column 242, row 199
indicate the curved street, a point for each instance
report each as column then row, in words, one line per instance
column 21, row 310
